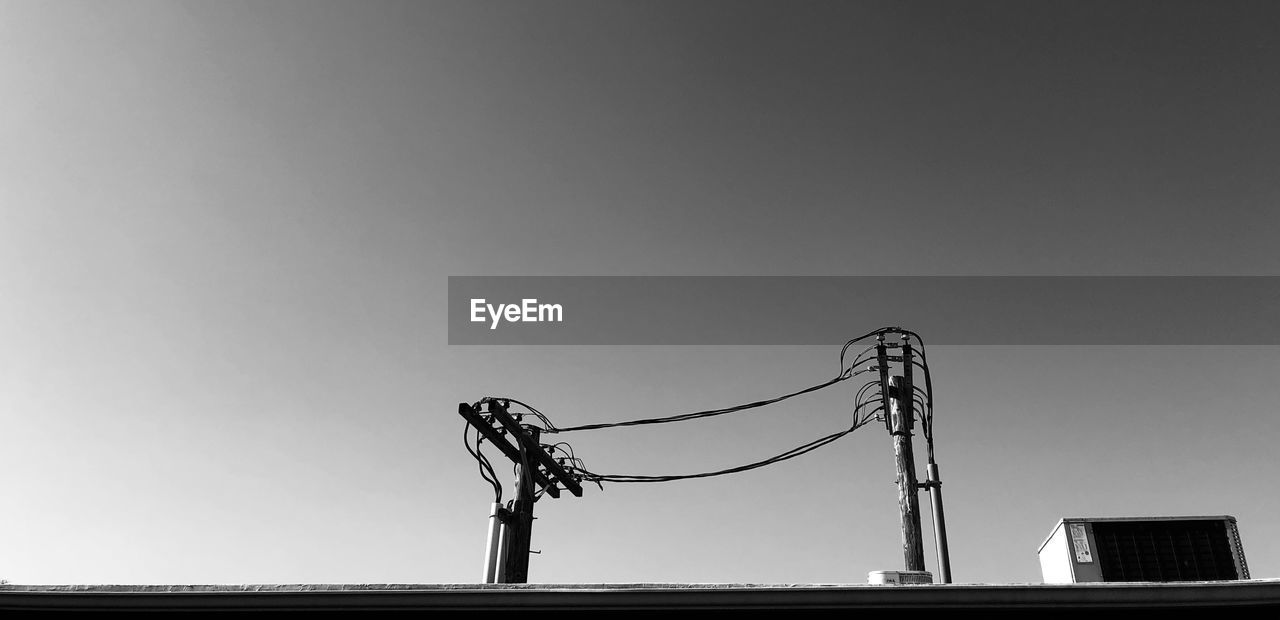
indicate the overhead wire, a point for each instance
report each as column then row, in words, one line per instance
column 684, row 417
column 869, row 393
column 791, row 454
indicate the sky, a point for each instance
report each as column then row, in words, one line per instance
column 226, row 230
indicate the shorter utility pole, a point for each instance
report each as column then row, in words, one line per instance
column 507, row 546
column 900, row 423
column 520, row 524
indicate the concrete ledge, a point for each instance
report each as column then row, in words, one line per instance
column 471, row 597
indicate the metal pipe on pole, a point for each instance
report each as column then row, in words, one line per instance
column 493, row 544
column 934, row 482
column 504, row 546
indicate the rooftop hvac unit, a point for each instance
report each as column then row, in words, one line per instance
column 899, row 577
column 1143, row 549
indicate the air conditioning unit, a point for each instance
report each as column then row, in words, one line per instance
column 1143, row 549
column 899, row 577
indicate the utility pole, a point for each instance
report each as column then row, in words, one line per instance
column 900, row 423
column 520, row 524
column 507, row 547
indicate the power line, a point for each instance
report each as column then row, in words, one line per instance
column 869, row 392
column 789, row 454
column 845, row 373
column 684, row 417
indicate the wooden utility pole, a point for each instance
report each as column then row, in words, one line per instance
column 900, row 423
column 520, row 527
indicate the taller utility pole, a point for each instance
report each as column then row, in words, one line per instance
column 900, row 423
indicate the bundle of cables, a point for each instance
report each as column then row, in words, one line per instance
column 868, row 402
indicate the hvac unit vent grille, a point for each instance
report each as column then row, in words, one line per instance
column 1164, row 551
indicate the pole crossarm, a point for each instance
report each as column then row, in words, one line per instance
column 473, row 418
column 534, row 450
column 545, row 476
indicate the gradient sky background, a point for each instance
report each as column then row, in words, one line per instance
column 226, row 228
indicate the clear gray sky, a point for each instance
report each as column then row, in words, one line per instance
column 226, row 228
